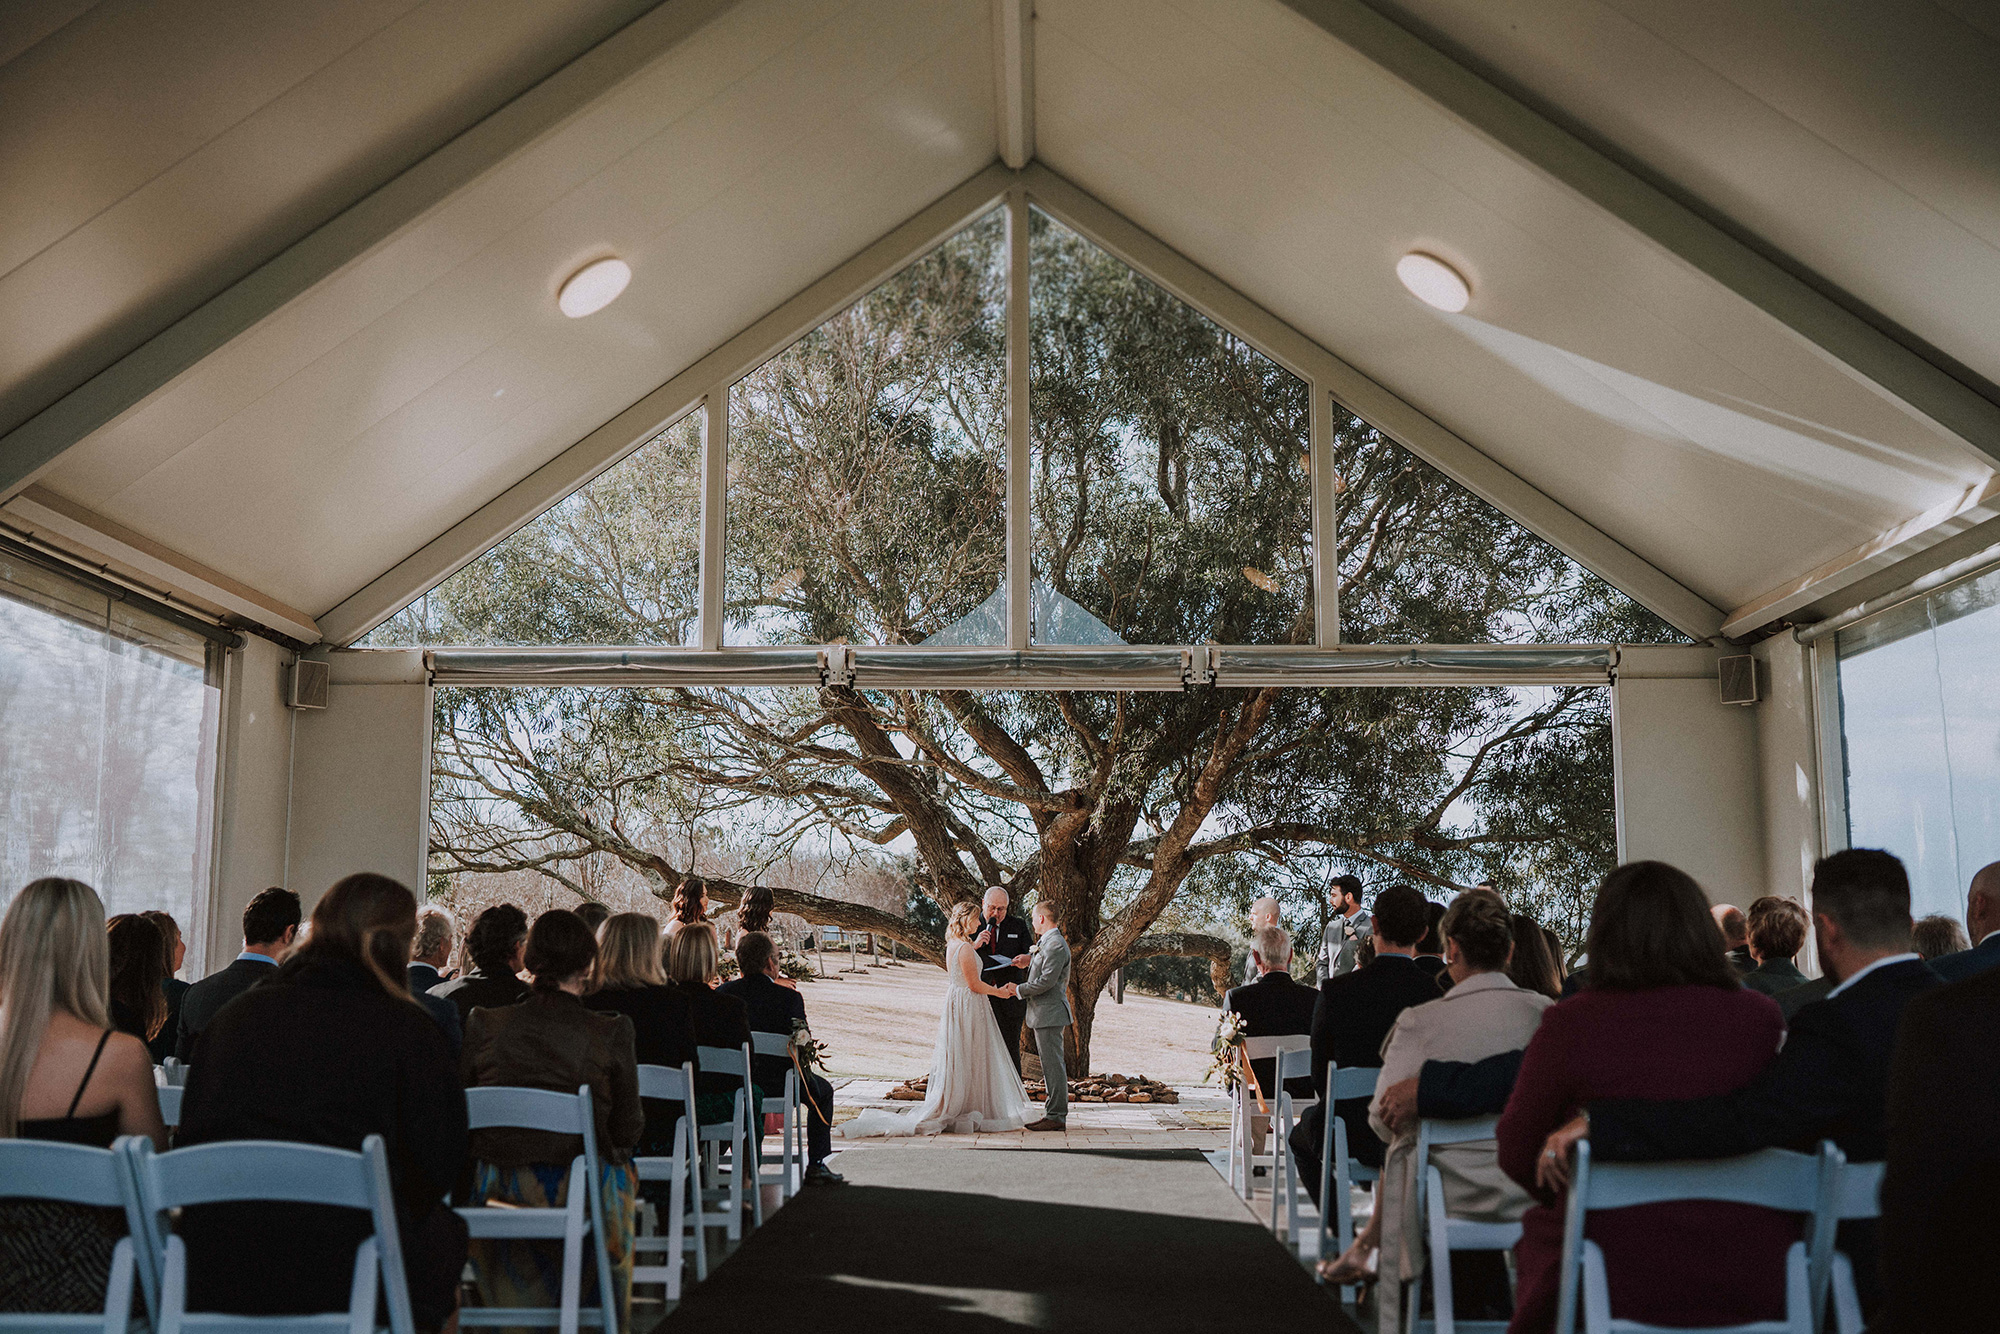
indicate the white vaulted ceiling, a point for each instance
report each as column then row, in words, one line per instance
column 152, row 155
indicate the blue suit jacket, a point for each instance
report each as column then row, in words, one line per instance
column 1969, row 963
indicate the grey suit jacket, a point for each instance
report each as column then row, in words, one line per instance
column 1047, row 987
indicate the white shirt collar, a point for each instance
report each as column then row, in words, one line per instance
column 1879, row 963
column 1983, row 939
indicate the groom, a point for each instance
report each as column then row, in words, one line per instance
column 1047, row 993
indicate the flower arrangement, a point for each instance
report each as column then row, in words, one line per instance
column 796, row 966
column 1226, row 1052
column 811, row 1051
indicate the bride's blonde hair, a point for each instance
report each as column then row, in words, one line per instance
column 964, row 921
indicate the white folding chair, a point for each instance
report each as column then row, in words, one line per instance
column 32, row 1169
column 577, row 1223
column 1338, row 1171
column 1773, row 1178
column 1858, row 1195
column 1444, row 1234
column 1244, row 1109
column 170, row 1073
column 790, row 1173
column 1292, row 1063
column 273, row 1172
column 735, row 1133
column 170, row 1104
column 679, row 1170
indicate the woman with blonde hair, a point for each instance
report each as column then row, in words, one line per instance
column 330, row 1049
column 628, row 980
column 65, row 1075
column 693, row 963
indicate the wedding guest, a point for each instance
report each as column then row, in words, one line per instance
column 693, row 966
column 1735, row 935
column 1263, row 913
column 592, row 914
column 65, row 1075
column 497, row 945
column 270, row 924
column 329, row 1049
column 1831, row 1079
column 1430, row 950
column 689, row 906
column 1942, row 1172
column 1486, row 1011
column 1344, row 929
column 1275, row 1005
column 776, row 1009
column 1793, row 999
column 551, row 1041
column 1937, row 936
column 162, row 1045
column 1982, row 924
column 1351, row 1018
column 1664, row 1016
column 1532, row 967
column 138, row 974
column 629, row 980
column 430, row 952
column 1777, row 934
column 1555, row 947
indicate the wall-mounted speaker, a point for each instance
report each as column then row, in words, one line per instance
column 1738, row 676
column 309, row 685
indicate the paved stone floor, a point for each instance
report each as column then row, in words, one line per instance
column 1200, row 1120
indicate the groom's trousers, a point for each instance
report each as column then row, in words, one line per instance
column 1049, row 1046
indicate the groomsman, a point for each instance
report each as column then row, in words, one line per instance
column 1345, row 930
column 1003, row 958
column 1047, row 993
column 1263, row 913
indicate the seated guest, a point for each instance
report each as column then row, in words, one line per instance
column 1275, row 1005
column 1936, row 936
column 1793, row 999
column 1532, row 967
column 329, row 1049
column 497, row 943
column 138, row 974
column 429, row 953
column 688, row 907
column 1484, row 1012
column 162, row 1045
column 1351, row 1018
column 1942, row 1172
column 1663, row 1016
column 592, row 914
column 719, row 1021
column 551, row 1041
column 1831, row 1079
column 1555, row 946
column 1777, row 934
column 1430, row 950
column 65, row 1075
column 1735, row 931
column 776, row 1009
column 1982, row 924
column 628, row 980
column 270, row 924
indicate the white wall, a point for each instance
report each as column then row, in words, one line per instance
column 1688, row 772
column 361, row 775
column 1788, row 766
column 256, row 746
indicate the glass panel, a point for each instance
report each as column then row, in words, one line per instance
column 1172, row 493
column 615, row 563
column 106, row 773
column 868, row 461
column 1922, row 737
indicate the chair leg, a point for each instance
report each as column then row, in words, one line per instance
column 572, row 1270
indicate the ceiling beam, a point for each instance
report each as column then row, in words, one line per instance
column 1014, row 80
column 421, row 571
column 1379, row 405
column 36, row 443
column 1850, row 342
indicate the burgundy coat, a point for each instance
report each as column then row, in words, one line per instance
column 1669, row 1264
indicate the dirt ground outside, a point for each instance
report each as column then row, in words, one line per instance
column 881, row 1022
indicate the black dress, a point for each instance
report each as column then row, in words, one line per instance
column 663, row 1034
column 319, row 1053
column 56, row 1256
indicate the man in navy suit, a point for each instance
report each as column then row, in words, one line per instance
column 1982, row 923
column 270, row 925
column 1275, row 1005
column 430, row 951
column 774, row 1008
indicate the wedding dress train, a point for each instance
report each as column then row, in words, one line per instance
column 973, row 1084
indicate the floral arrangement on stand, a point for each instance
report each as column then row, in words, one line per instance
column 1225, row 1049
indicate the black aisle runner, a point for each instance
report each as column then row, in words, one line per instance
column 977, row 1239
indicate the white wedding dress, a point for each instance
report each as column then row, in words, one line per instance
column 973, row 1085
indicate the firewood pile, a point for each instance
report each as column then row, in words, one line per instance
column 1093, row 1088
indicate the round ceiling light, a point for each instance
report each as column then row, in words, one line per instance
column 593, row 287
column 1434, row 282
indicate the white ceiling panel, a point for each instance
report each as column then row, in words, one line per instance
column 1626, row 385
column 395, row 397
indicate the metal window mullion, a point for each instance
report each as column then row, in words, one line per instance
column 1018, row 492
column 1325, row 517
column 714, row 495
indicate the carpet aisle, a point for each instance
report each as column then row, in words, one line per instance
column 1122, row 1239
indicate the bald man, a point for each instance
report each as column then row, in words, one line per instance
column 1982, row 924
column 1003, row 958
column 1263, row 913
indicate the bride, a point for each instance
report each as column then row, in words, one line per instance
column 973, row 1084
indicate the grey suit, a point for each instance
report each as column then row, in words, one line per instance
column 1342, row 943
column 1047, row 994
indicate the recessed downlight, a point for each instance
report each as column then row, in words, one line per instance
column 593, row 287
column 1434, row 282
